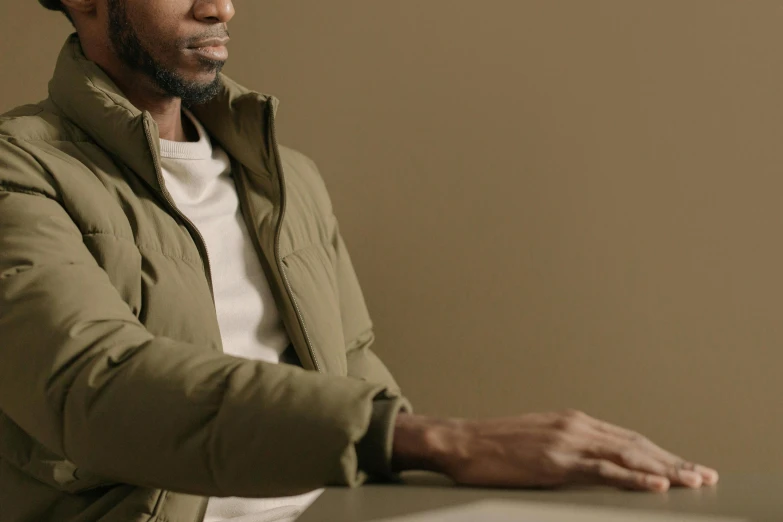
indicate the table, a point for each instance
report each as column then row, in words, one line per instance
column 757, row 497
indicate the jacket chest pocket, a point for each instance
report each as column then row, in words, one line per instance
column 314, row 287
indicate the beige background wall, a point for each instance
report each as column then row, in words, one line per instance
column 550, row 203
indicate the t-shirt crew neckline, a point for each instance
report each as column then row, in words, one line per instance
column 188, row 150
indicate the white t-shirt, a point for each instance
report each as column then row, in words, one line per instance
column 198, row 177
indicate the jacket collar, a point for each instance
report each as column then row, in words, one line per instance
column 238, row 119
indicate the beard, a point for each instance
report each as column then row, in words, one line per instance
column 132, row 51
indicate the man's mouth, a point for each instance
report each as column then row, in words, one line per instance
column 212, row 48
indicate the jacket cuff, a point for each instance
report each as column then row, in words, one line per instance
column 374, row 450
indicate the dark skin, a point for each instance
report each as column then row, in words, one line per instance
column 163, row 25
column 532, row 450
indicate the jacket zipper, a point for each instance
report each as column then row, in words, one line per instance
column 199, row 239
column 194, row 231
column 279, row 229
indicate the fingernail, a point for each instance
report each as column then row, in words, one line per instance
column 658, row 483
column 710, row 476
column 691, row 478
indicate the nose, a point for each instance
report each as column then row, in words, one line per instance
column 214, row 11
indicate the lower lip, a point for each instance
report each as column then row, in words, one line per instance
column 218, row 52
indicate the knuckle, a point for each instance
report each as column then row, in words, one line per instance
column 640, row 479
column 573, row 414
column 569, row 421
column 561, row 423
column 675, row 470
column 688, row 466
column 555, row 439
column 628, row 458
column 602, row 468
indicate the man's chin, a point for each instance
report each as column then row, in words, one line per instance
column 201, row 93
column 193, row 88
column 202, row 73
column 201, row 80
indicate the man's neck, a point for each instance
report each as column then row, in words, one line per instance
column 171, row 123
column 165, row 110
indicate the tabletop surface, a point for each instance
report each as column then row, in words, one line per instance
column 755, row 497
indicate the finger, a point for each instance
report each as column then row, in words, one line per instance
column 708, row 475
column 689, row 471
column 645, row 458
column 605, row 472
column 639, row 460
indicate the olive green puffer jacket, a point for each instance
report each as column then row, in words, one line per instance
column 116, row 401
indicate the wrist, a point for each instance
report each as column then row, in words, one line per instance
column 429, row 444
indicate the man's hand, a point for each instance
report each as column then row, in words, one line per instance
column 540, row 450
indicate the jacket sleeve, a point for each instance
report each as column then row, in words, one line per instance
column 82, row 375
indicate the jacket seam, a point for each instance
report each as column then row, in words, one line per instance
column 190, row 260
column 9, row 186
column 90, row 234
column 360, row 340
column 44, row 140
column 314, row 244
column 167, row 254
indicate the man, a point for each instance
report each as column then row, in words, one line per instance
column 183, row 334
